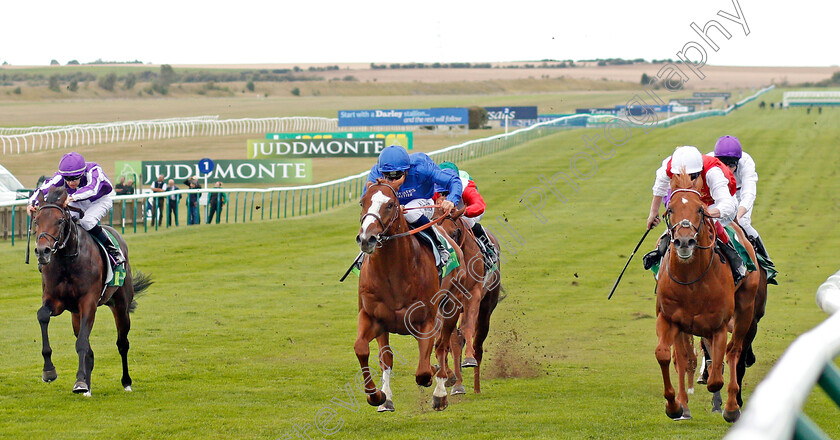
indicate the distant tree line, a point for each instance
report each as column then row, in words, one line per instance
column 375, row 66
column 833, row 81
column 161, row 80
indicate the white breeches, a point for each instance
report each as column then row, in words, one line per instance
column 414, row 214
column 471, row 221
column 94, row 211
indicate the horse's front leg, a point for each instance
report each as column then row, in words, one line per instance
column 682, row 355
column 455, row 346
column 439, row 400
column 87, row 314
column 44, row 314
column 366, row 331
column 386, row 362
column 666, row 332
column 743, row 322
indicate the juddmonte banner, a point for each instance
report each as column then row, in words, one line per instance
column 228, row 171
column 404, row 138
column 294, row 145
column 374, row 118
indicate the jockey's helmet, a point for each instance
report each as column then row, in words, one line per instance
column 394, row 158
column 449, row 166
column 72, row 164
column 728, row 146
column 688, row 157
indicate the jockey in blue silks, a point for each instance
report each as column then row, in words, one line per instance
column 88, row 189
column 417, row 174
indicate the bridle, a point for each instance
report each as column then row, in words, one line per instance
column 381, row 238
column 64, row 234
column 686, row 223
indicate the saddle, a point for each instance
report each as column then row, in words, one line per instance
column 115, row 276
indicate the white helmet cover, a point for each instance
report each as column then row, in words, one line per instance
column 688, row 157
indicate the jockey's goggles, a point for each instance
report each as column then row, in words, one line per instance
column 694, row 176
column 393, row 175
column 729, row 161
column 72, row 178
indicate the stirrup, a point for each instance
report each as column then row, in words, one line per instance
column 651, row 258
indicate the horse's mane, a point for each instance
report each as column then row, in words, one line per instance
column 56, row 194
column 682, row 181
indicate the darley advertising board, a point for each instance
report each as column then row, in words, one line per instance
column 295, row 145
column 228, row 171
column 432, row 116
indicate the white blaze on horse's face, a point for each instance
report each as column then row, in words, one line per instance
column 373, row 216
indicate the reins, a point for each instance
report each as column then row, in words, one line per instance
column 58, row 242
column 381, row 238
column 685, row 223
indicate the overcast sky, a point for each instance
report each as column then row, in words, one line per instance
column 800, row 33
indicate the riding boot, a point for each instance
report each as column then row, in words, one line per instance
column 485, row 243
column 739, row 271
column 759, row 247
column 444, row 254
column 100, row 235
column 654, row 256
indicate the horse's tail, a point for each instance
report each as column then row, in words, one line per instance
column 141, row 283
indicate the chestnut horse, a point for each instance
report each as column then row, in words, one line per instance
column 400, row 292
column 73, row 273
column 696, row 295
column 482, row 293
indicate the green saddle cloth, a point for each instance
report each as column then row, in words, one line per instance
column 116, row 275
column 748, row 262
column 450, row 265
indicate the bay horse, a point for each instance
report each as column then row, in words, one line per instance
column 73, row 277
column 696, row 295
column 400, row 292
column 482, row 292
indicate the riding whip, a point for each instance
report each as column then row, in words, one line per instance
column 628, row 263
column 350, row 269
column 28, row 235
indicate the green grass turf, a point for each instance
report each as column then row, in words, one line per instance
column 247, row 333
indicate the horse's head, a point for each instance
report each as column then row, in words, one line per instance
column 380, row 209
column 686, row 215
column 51, row 224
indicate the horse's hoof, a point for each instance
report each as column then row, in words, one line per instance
column 128, row 388
column 439, row 403
column 424, row 380
column 701, row 380
column 388, row 406
column 450, row 380
column 717, row 401
column 458, row 389
column 469, row 363
column 49, row 375
column 81, row 387
column 731, row 416
column 674, row 415
column 377, row 398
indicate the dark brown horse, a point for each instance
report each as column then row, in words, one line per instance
column 696, row 295
column 482, row 295
column 400, row 292
column 73, row 272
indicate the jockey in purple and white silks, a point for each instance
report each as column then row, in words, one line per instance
column 88, row 189
column 728, row 150
column 419, row 174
